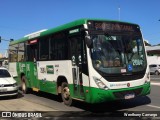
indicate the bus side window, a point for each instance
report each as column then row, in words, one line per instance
column 32, row 52
column 58, row 47
column 44, row 48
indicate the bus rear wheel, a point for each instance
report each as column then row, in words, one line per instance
column 65, row 94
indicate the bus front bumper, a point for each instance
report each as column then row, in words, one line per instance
column 100, row 95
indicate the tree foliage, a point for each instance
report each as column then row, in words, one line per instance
column 146, row 43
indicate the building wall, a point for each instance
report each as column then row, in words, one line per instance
column 1, row 56
column 153, row 59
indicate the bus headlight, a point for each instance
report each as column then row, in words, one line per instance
column 147, row 78
column 99, row 83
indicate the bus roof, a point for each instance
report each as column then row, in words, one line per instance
column 62, row 27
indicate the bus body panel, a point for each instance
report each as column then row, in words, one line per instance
column 99, row 95
column 48, row 73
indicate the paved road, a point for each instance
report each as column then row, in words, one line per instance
column 155, row 78
column 47, row 102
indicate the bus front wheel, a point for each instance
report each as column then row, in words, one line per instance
column 24, row 86
column 65, row 93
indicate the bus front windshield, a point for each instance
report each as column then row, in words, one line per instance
column 112, row 54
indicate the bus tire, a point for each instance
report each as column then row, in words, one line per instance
column 24, row 86
column 65, row 94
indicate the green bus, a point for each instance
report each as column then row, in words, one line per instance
column 92, row 60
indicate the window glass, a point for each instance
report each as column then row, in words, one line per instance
column 21, row 52
column 44, row 48
column 13, row 53
column 118, row 53
column 4, row 73
column 58, row 47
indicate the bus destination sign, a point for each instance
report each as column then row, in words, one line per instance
column 114, row 26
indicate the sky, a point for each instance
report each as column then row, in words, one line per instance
column 22, row 17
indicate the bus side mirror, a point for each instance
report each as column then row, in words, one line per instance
column 88, row 41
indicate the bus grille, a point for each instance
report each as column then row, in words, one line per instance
column 120, row 95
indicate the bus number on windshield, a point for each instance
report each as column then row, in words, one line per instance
column 137, row 62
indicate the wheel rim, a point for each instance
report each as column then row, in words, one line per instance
column 66, row 93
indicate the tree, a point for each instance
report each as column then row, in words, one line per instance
column 146, row 43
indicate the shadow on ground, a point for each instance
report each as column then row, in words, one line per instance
column 90, row 111
column 101, row 107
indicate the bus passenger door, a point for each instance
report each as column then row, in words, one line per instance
column 32, row 66
column 76, row 58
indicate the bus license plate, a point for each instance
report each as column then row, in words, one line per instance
column 129, row 96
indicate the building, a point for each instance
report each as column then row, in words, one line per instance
column 153, row 53
column 153, row 50
column 1, row 56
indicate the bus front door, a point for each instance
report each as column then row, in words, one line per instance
column 76, row 57
column 32, row 65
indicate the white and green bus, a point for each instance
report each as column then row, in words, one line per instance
column 91, row 60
